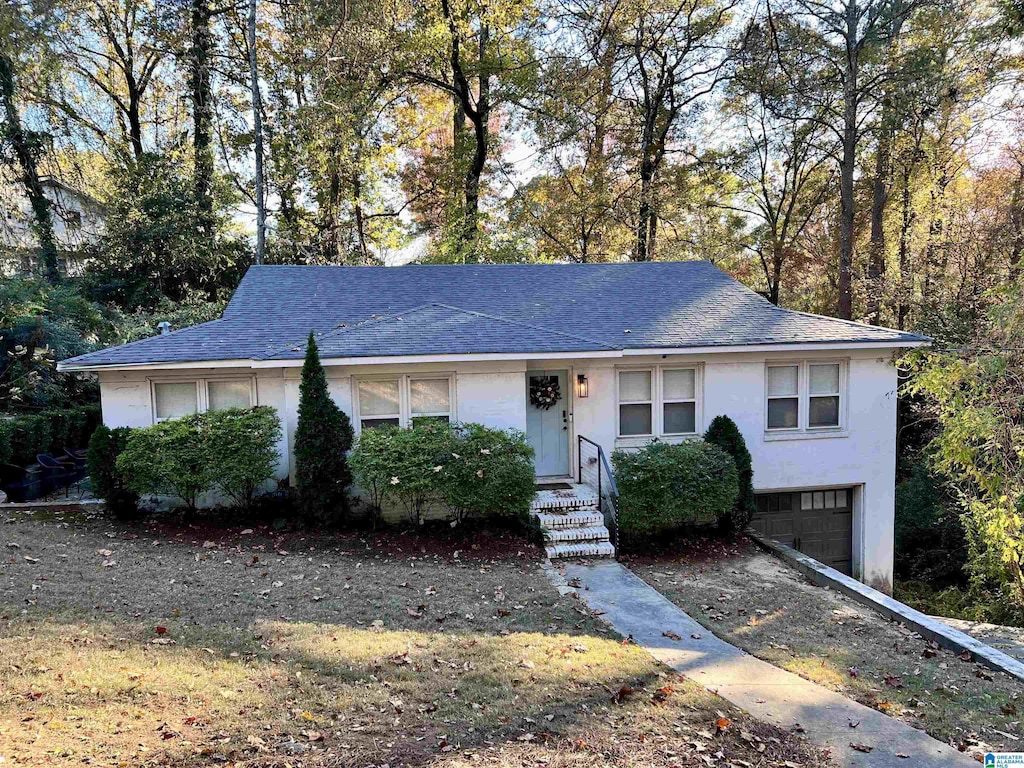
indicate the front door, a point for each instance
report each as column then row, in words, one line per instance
column 547, row 421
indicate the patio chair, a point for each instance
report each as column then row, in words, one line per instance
column 57, row 473
column 78, row 457
column 21, row 483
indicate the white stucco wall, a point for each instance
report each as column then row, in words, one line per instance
column 862, row 454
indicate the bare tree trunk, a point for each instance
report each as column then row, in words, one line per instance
column 876, row 254
column 906, row 278
column 880, row 183
column 480, row 117
column 202, row 115
column 257, row 125
column 847, row 165
column 134, row 116
column 644, row 214
column 27, row 147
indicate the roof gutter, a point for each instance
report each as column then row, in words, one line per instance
column 498, row 356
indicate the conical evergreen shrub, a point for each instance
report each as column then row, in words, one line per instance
column 724, row 433
column 322, row 440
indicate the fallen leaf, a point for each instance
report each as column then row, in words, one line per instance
column 623, row 693
column 671, row 635
column 722, row 723
column 861, row 747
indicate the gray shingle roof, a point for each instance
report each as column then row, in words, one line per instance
column 422, row 310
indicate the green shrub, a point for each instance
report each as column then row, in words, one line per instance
column 107, row 481
column 930, row 541
column 6, row 436
column 371, row 464
column 486, row 472
column 665, row 487
column 724, row 433
column 242, row 447
column 414, row 457
column 474, row 471
column 323, row 437
column 24, row 436
column 169, row 459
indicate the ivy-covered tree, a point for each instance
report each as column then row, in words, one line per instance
column 323, row 438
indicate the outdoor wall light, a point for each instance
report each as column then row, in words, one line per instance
column 582, row 386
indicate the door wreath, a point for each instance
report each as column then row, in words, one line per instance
column 544, row 391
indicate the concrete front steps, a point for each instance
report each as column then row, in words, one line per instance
column 572, row 523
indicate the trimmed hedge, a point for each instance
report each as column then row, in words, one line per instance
column 724, row 433
column 664, row 488
column 233, row 452
column 107, row 482
column 470, row 469
column 49, row 431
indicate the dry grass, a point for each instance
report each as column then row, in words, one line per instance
column 755, row 602
column 154, row 645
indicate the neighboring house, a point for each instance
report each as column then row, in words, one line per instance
column 638, row 351
column 78, row 220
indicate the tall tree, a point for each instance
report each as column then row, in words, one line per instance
column 675, row 59
column 830, row 63
column 257, row 127
column 199, row 62
column 114, row 46
column 26, row 36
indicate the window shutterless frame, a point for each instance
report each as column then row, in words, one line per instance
column 658, row 400
column 202, row 385
column 635, row 402
column 804, row 396
column 668, row 398
column 405, row 413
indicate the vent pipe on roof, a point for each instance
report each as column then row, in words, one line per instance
column 164, row 327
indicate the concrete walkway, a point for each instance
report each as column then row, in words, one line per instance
column 770, row 694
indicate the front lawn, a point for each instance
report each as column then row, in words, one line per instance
column 161, row 644
column 752, row 600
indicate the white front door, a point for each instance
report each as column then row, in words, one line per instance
column 547, row 426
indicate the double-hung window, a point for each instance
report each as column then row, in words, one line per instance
column 400, row 401
column 174, row 399
column 679, row 401
column 783, row 396
column 804, row 396
column 823, row 395
column 636, row 403
column 661, row 400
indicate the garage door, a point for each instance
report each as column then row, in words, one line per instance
column 817, row 523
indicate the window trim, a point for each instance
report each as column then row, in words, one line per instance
column 665, row 401
column 202, row 391
column 803, row 396
column 839, row 394
column 658, row 401
column 799, row 400
column 405, row 414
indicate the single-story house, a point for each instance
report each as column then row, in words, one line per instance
column 632, row 352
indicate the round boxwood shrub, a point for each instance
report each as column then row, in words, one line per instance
column 724, row 433
column 664, row 487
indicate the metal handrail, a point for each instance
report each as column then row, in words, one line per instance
column 604, row 469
